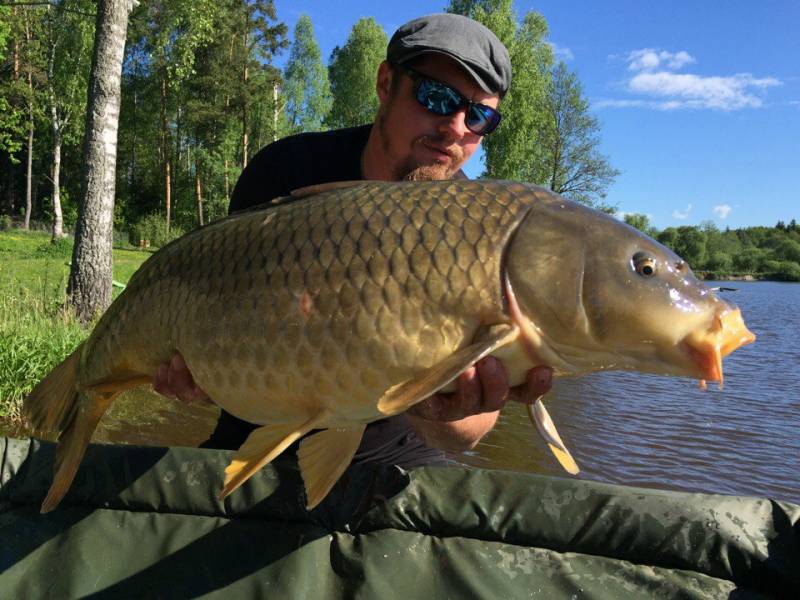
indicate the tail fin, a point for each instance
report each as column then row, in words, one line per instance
column 52, row 403
column 73, row 441
column 57, row 404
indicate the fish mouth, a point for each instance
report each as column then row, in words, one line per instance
column 706, row 349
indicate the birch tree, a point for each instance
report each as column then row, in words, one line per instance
column 90, row 276
column 573, row 163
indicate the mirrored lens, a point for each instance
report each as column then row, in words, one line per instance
column 482, row 119
column 438, row 98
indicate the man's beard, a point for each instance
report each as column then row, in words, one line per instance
column 411, row 170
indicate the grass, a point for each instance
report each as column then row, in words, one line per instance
column 35, row 333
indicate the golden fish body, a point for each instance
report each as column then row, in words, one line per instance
column 320, row 303
column 355, row 301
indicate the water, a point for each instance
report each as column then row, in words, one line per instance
column 665, row 432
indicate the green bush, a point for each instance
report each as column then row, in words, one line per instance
column 5, row 222
column 748, row 259
column 122, row 239
column 719, row 262
column 58, row 248
column 153, row 228
column 786, row 270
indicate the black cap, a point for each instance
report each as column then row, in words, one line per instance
column 466, row 41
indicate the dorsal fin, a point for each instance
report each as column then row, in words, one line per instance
column 318, row 188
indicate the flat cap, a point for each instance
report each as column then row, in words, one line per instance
column 466, row 41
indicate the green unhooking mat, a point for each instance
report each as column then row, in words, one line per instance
column 146, row 522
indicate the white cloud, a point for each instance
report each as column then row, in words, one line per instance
column 619, row 103
column 655, row 85
column 649, row 59
column 695, row 91
column 722, row 211
column 564, row 54
column 681, row 216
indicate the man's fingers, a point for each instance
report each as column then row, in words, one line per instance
column 174, row 380
column 494, row 384
column 539, row 381
column 160, row 384
column 467, row 398
column 179, row 379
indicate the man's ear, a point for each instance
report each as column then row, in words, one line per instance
column 383, row 84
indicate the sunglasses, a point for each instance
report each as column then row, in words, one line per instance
column 441, row 99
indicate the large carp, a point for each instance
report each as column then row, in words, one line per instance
column 357, row 300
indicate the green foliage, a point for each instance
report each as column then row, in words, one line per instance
column 748, row 259
column 782, row 270
column 307, row 89
column 34, row 338
column 5, row 29
column 14, row 93
column 719, row 262
column 640, row 222
column 57, row 248
column 153, row 229
column 352, row 71
column 547, row 135
column 513, row 150
column 197, row 96
column 5, row 222
column 690, row 244
column 35, row 334
column 788, row 250
column 69, row 37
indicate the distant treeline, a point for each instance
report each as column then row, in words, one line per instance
column 761, row 252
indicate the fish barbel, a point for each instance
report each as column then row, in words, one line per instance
column 354, row 301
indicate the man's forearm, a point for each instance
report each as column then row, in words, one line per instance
column 455, row 436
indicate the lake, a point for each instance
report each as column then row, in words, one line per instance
column 667, row 433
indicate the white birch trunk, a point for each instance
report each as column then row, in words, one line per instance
column 91, row 273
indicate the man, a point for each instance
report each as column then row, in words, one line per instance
column 439, row 90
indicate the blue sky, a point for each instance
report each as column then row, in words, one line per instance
column 699, row 102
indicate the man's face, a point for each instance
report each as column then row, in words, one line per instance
column 418, row 144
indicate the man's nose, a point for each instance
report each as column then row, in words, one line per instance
column 454, row 125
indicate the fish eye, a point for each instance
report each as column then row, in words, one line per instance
column 644, row 264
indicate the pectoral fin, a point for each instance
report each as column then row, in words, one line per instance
column 547, row 429
column 262, row 446
column 323, row 457
column 404, row 395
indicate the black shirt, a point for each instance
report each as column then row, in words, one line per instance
column 276, row 170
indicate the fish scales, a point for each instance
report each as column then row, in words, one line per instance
column 351, row 291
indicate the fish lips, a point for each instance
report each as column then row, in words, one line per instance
column 707, row 348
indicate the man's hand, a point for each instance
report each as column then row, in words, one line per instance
column 174, row 380
column 459, row 420
column 483, row 388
